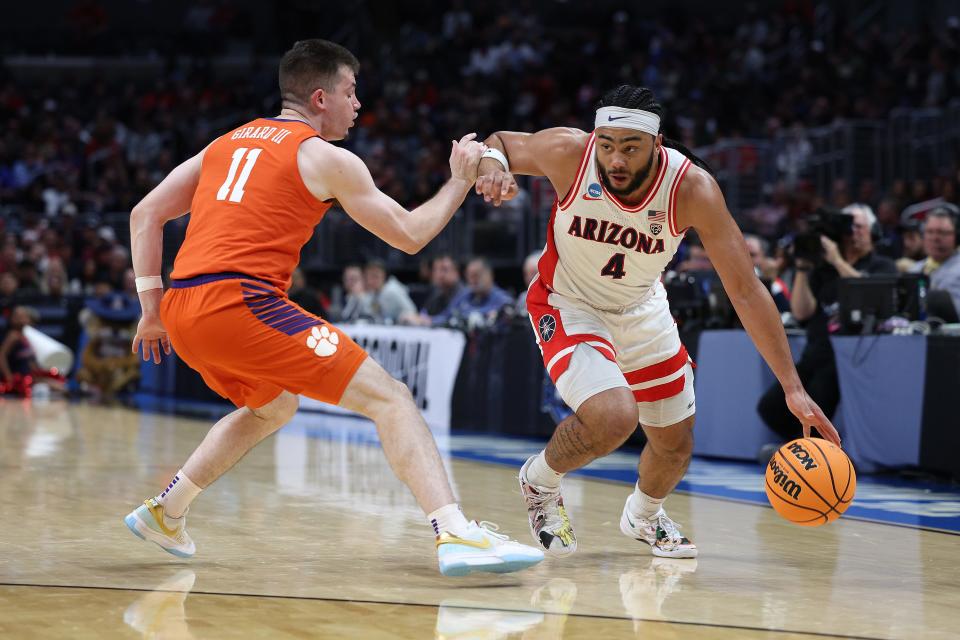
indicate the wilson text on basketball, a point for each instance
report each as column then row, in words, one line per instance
column 789, row 487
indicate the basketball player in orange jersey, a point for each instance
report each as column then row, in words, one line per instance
column 600, row 314
column 255, row 195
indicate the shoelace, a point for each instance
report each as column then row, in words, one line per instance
column 670, row 528
column 492, row 528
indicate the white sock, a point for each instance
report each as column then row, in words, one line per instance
column 540, row 474
column 642, row 505
column 178, row 495
column 448, row 518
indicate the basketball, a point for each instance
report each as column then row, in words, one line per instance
column 810, row 482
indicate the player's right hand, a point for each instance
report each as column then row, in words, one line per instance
column 497, row 187
column 151, row 335
column 465, row 157
column 810, row 415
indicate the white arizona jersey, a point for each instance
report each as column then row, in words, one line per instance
column 604, row 252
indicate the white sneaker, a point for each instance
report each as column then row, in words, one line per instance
column 557, row 597
column 481, row 548
column 658, row 531
column 549, row 523
column 146, row 522
column 457, row 621
column 644, row 590
column 159, row 613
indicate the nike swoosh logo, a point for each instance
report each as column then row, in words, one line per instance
column 157, row 512
column 612, row 118
column 449, row 538
column 630, row 521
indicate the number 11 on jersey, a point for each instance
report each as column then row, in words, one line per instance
column 236, row 193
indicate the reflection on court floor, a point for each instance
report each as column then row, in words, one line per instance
column 311, row 535
column 884, row 500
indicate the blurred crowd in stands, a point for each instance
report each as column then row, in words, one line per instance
column 96, row 144
column 76, row 149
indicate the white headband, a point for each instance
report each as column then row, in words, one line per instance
column 628, row 119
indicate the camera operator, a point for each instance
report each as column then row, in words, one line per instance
column 846, row 250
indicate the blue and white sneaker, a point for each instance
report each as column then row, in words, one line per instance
column 481, row 548
column 146, row 522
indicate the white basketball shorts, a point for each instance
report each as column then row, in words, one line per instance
column 587, row 351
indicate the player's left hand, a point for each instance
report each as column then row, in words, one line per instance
column 465, row 157
column 151, row 335
column 810, row 415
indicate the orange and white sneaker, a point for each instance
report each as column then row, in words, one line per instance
column 146, row 522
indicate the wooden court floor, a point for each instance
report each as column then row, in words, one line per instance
column 310, row 537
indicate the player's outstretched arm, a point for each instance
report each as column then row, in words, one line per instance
column 330, row 172
column 168, row 200
column 554, row 153
column 701, row 205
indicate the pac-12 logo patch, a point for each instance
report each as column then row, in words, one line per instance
column 656, row 220
column 547, row 327
column 594, row 190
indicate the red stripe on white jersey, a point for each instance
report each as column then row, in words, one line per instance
column 558, row 350
column 659, row 370
column 661, row 391
column 547, row 264
column 672, row 202
column 581, row 171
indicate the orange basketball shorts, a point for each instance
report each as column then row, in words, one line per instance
column 250, row 342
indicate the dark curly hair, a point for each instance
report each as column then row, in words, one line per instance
column 631, row 97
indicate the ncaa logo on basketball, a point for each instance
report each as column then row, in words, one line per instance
column 594, row 190
column 802, row 455
column 547, row 327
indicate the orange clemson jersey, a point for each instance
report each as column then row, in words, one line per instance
column 251, row 212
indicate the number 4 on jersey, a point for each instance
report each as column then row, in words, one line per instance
column 614, row 267
column 236, row 193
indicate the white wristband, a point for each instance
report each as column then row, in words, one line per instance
column 149, row 282
column 497, row 155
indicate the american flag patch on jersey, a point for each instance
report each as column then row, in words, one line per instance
column 656, row 216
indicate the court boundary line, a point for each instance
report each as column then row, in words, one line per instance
column 593, row 616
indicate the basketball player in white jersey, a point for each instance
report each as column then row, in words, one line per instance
column 625, row 198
